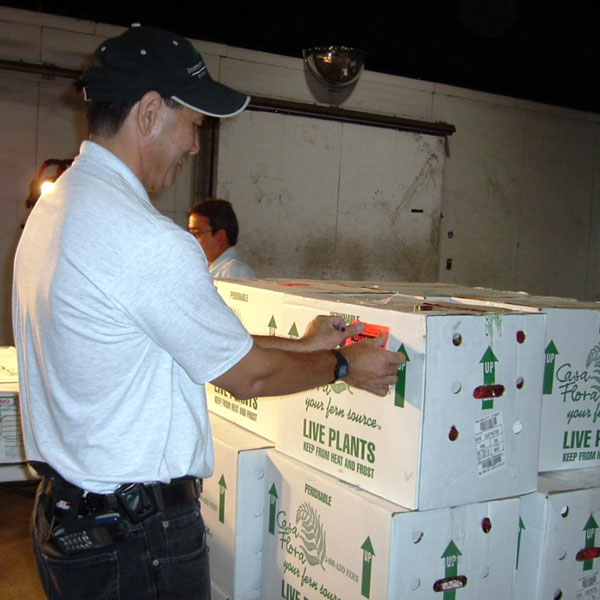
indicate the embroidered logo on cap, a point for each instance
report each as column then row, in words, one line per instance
column 198, row 70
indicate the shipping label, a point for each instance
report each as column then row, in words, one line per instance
column 489, row 443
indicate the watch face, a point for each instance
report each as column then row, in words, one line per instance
column 342, row 368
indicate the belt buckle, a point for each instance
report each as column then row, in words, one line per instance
column 136, row 501
column 94, row 503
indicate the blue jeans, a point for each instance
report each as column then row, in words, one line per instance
column 165, row 557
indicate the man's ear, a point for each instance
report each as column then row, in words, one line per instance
column 149, row 112
column 222, row 238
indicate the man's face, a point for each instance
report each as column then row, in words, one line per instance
column 176, row 137
column 199, row 227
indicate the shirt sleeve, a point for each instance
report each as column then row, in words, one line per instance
column 235, row 269
column 170, row 296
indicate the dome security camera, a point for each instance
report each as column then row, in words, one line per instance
column 336, row 67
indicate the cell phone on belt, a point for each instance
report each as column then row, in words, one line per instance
column 87, row 533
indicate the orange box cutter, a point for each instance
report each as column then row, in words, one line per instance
column 370, row 332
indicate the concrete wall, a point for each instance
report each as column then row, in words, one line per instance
column 519, row 200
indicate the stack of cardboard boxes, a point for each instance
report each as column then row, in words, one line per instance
column 430, row 490
column 559, row 553
column 12, row 452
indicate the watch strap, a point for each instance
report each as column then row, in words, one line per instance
column 342, row 367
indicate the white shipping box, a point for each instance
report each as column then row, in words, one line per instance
column 559, row 545
column 327, row 539
column 232, row 508
column 462, row 423
column 217, row 594
column 259, row 304
column 261, row 312
column 11, row 438
column 570, row 421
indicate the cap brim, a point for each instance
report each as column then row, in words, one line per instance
column 215, row 100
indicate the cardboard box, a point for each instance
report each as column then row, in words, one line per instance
column 448, row 447
column 217, row 594
column 11, row 437
column 261, row 312
column 259, row 304
column 570, row 420
column 461, row 425
column 327, row 539
column 258, row 415
column 232, row 508
column 559, row 549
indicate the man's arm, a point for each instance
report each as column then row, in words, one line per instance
column 322, row 333
column 275, row 372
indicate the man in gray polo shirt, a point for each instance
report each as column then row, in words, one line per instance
column 115, row 341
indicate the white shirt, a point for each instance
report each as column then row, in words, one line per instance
column 115, row 336
column 229, row 265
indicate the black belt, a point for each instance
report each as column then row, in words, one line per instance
column 139, row 500
column 136, row 501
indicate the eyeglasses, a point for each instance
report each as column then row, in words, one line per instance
column 196, row 233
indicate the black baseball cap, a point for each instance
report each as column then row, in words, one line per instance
column 144, row 58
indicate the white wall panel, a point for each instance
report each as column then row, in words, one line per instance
column 378, row 92
column 389, row 204
column 20, row 41
column 74, row 56
column 593, row 280
column 281, row 175
column 18, row 109
column 555, row 227
column 324, row 199
column 62, row 124
column 482, row 193
column 265, row 80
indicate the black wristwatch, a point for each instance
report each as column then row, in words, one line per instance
column 342, row 368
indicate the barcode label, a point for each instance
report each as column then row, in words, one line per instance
column 488, row 463
column 488, row 423
column 587, row 581
column 587, row 588
column 489, row 443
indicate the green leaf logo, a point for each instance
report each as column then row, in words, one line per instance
column 312, row 535
column 593, row 358
column 338, row 387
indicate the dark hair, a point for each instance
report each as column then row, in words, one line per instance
column 220, row 215
column 106, row 118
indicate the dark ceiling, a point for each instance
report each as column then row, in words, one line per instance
column 543, row 50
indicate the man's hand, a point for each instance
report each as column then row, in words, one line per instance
column 371, row 368
column 327, row 333
column 276, row 366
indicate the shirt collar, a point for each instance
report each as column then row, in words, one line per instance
column 98, row 157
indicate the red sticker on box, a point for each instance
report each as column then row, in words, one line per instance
column 294, row 284
column 370, row 332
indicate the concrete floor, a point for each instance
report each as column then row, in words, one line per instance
column 18, row 572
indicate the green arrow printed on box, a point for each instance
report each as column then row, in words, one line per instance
column 400, row 395
column 222, row 488
column 550, row 359
column 521, row 527
column 450, row 557
column 590, row 540
column 272, row 508
column 489, row 368
column 368, row 554
column 489, row 361
column 272, row 326
column 293, row 332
